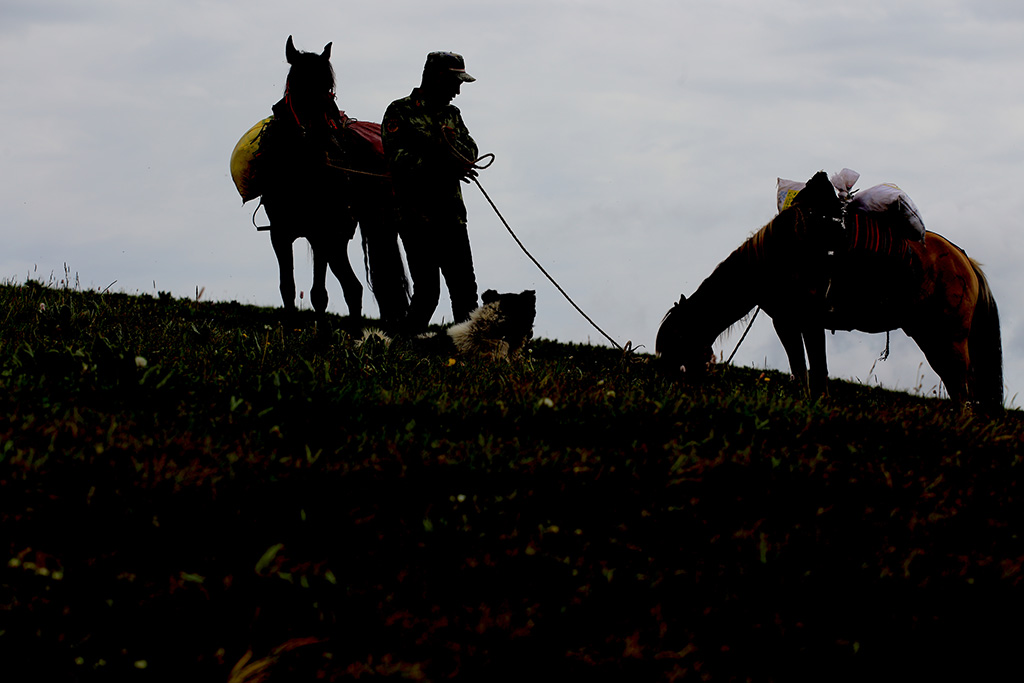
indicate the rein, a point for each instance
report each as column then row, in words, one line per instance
column 333, row 125
column 749, row 325
column 335, row 167
column 331, row 96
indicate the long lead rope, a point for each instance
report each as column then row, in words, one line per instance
column 537, row 263
column 476, row 164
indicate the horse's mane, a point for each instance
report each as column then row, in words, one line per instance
column 788, row 231
column 781, row 233
column 735, row 279
column 755, row 247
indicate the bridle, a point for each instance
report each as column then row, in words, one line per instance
column 330, row 96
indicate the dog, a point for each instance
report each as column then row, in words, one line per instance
column 500, row 328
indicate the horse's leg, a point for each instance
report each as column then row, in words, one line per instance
column 318, row 292
column 282, row 240
column 792, row 342
column 957, row 373
column 351, row 288
column 950, row 360
column 814, row 341
column 332, row 252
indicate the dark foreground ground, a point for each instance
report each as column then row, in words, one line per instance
column 194, row 491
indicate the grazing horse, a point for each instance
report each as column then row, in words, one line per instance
column 811, row 270
column 323, row 175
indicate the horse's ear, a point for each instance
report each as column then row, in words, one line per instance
column 682, row 300
column 290, row 52
column 327, row 51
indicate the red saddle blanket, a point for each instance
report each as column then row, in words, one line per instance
column 366, row 129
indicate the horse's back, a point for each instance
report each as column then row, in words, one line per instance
column 943, row 259
column 950, row 287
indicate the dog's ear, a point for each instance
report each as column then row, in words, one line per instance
column 490, row 296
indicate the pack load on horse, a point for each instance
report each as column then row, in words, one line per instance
column 245, row 161
column 319, row 173
column 812, row 268
column 245, row 156
column 885, row 202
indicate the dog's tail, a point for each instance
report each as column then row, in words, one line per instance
column 373, row 335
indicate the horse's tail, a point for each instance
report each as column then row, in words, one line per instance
column 385, row 270
column 985, row 345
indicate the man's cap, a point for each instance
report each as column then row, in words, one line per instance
column 448, row 62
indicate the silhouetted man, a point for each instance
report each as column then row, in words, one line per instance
column 429, row 150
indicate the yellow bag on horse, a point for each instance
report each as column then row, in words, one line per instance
column 244, row 169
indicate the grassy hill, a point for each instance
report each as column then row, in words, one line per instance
column 196, row 491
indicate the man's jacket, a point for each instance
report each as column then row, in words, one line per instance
column 428, row 149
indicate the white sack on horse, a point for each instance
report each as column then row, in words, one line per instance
column 890, row 199
column 844, row 182
column 786, row 191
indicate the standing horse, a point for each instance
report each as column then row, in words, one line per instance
column 811, row 271
column 321, row 177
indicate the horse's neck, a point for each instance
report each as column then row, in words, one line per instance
column 747, row 277
column 309, row 112
column 728, row 294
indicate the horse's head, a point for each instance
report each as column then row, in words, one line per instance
column 676, row 346
column 311, row 78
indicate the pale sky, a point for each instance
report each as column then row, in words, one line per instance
column 636, row 143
